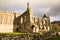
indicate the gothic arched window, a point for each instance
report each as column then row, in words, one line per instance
column 21, row 20
column 25, row 18
column 1, row 18
column 9, row 19
column 44, row 21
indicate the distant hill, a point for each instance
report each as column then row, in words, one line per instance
column 56, row 25
column 56, row 22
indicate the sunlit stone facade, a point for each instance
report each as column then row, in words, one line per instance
column 6, row 21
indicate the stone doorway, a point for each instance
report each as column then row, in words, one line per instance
column 32, row 27
column 0, row 38
column 17, row 29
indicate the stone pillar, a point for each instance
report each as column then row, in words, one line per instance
column 28, row 5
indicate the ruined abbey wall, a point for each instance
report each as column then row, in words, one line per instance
column 6, row 21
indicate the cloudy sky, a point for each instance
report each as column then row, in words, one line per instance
column 39, row 7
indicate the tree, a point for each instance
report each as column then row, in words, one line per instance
column 55, row 27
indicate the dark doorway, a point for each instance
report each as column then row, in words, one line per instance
column 17, row 29
column 32, row 26
column 0, row 38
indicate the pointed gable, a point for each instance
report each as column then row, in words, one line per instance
column 44, row 16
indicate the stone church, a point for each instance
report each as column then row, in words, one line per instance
column 28, row 23
column 25, row 22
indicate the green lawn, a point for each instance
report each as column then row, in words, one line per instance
column 56, row 38
column 19, row 33
column 13, row 33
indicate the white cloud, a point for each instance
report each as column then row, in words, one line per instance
column 54, row 18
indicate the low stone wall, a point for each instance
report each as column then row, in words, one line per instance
column 20, row 37
column 24, row 37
